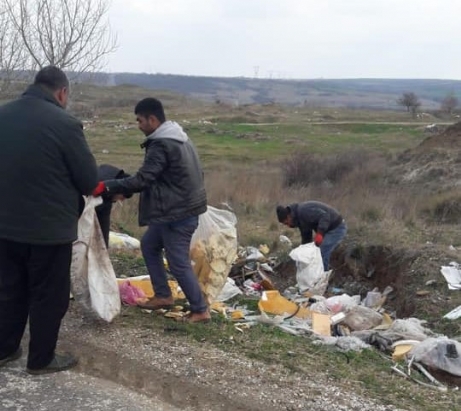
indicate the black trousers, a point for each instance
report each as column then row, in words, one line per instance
column 103, row 213
column 34, row 284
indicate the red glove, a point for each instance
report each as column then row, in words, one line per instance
column 100, row 188
column 318, row 239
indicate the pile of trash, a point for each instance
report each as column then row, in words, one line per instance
column 330, row 317
column 347, row 322
column 309, row 309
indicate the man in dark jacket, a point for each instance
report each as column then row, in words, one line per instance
column 328, row 224
column 46, row 166
column 103, row 211
column 172, row 197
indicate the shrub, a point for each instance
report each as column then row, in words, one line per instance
column 305, row 169
column 444, row 208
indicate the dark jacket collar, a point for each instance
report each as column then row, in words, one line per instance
column 39, row 92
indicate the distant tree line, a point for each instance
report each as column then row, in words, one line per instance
column 411, row 102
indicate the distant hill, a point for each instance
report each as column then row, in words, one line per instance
column 353, row 93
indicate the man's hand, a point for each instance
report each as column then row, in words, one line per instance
column 318, row 239
column 100, row 188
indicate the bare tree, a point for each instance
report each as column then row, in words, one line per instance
column 12, row 57
column 71, row 34
column 410, row 101
column 449, row 103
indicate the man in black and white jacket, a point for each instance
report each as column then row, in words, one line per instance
column 314, row 216
column 172, row 196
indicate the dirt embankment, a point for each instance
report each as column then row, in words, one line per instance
column 434, row 165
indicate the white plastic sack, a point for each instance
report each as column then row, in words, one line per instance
column 93, row 280
column 441, row 353
column 213, row 250
column 121, row 241
column 309, row 269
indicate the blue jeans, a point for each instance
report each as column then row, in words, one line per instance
column 175, row 238
column 331, row 239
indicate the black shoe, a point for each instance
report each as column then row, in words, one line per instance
column 60, row 362
column 15, row 356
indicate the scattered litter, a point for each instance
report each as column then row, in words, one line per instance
column 273, row 303
column 407, row 374
column 130, row 294
column 343, row 343
column 453, row 314
column 452, row 275
column 321, row 323
column 254, row 254
column 361, row 318
column 264, row 249
column 144, row 283
column 337, row 318
column 373, row 299
column 229, row 290
column 285, row 240
column 402, row 348
column 349, row 323
column 120, row 241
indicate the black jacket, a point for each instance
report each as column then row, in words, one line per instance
column 314, row 215
column 170, row 180
column 46, row 166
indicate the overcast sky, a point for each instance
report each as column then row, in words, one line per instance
column 289, row 38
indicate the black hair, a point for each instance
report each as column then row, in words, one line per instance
column 150, row 106
column 282, row 213
column 52, row 78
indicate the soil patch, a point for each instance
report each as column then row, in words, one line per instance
column 433, row 164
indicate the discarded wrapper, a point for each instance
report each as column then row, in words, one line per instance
column 337, row 318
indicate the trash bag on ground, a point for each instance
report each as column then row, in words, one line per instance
column 93, row 282
column 213, row 250
column 121, row 241
column 310, row 275
column 360, row 318
column 130, row 294
column 441, row 353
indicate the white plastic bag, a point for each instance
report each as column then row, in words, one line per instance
column 442, row 353
column 309, row 269
column 213, row 250
column 229, row 290
column 121, row 241
column 93, row 280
